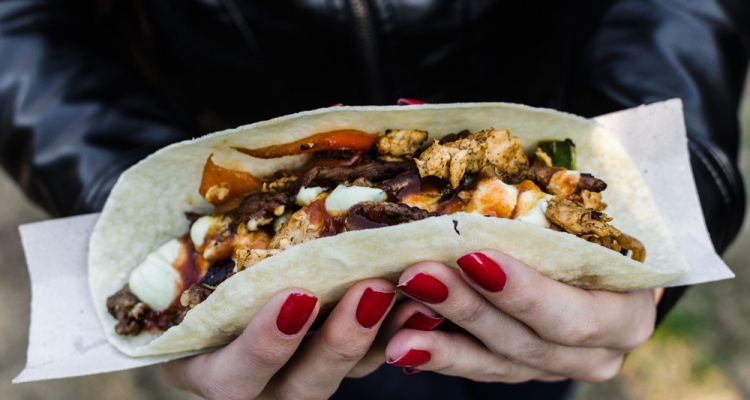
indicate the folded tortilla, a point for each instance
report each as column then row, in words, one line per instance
column 148, row 204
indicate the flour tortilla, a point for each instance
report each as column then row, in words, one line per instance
column 148, row 204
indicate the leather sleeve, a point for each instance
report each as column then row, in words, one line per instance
column 73, row 113
column 643, row 51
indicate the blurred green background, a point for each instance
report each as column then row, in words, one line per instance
column 700, row 352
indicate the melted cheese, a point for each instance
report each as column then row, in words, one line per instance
column 343, row 197
column 535, row 215
column 306, row 195
column 155, row 280
column 564, row 182
column 200, row 228
column 426, row 201
column 493, row 197
column 524, row 201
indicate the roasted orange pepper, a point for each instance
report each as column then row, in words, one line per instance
column 220, row 184
column 344, row 139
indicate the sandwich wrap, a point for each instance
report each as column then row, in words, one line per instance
column 148, row 204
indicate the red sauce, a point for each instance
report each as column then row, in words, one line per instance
column 454, row 203
column 187, row 265
column 317, row 213
column 160, row 321
column 523, row 187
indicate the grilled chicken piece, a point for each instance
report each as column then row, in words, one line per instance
column 593, row 226
column 593, row 200
column 399, row 144
column 220, row 239
column 303, row 225
column 451, row 160
column 579, row 220
column 246, row 258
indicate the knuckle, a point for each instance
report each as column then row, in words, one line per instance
column 343, row 351
column 533, row 352
column 586, row 331
column 470, row 311
column 510, row 372
column 524, row 304
column 267, row 357
column 605, row 371
column 640, row 334
column 502, row 372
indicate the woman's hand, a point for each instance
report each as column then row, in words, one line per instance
column 519, row 325
column 269, row 357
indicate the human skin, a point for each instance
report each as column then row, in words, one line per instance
column 513, row 325
column 520, row 325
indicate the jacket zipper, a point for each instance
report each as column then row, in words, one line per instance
column 366, row 38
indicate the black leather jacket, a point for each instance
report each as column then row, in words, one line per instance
column 89, row 87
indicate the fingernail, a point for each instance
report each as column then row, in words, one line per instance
column 405, row 101
column 483, row 271
column 372, row 306
column 423, row 322
column 410, row 370
column 412, row 358
column 426, row 288
column 295, row 312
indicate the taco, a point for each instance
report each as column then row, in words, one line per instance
column 224, row 206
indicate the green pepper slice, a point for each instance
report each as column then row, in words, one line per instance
column 562, row 152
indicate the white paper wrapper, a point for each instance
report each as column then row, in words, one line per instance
column 66, row 338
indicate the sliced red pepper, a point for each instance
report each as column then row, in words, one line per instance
column 344, row 139
column 356, row 158
column 237, row 183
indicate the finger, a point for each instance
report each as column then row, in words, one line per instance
column 410, row 314
column 243, row 368
column 450, row 295
column 558, row 312
column 343, row 339
column 407, row 315
column 456, row 354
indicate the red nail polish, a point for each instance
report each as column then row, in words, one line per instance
column 483, row 271
column 295, row 312
column 412, row 358
column 423, row 322
column 372, row 306
column 405, row 102
column 425, row 287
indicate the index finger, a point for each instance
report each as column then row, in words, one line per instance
column 243, row 368
column 558, row 312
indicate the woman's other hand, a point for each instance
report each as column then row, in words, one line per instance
column 518, row 325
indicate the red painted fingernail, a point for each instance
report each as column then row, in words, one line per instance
column 412, row 358
column 425, row 287
column 423, row 322
column 295, row 312
column 405, row 102
column 483, row 270
column 372, row 306
column 410, row 370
